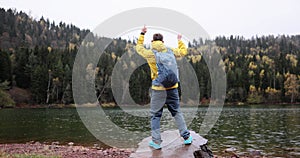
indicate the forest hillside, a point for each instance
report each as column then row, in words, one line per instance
column 37, row 56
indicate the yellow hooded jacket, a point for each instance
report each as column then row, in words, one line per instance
column 149, row 56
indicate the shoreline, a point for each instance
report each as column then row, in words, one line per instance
column 37, row 149
column 112, row 105
column 42, row 150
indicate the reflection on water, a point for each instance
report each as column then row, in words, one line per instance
column 272, row 130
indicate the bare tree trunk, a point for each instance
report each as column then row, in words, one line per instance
column 103, row 88
column 48, row 89
column 57, row 94
column 125, row 87
column 274, row 81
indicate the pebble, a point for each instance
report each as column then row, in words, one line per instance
column 231, row 149
column 55, row 143
column 255, row 153
column 71, row 144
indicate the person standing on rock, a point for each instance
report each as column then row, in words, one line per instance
column 164, row 90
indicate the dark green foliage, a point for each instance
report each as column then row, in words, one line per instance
column 139, row 85
column 5, row 67
column 39, row 84
column 5, row 99
column 21, row 77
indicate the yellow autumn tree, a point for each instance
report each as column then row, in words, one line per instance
column 272, row 94
column 291, row 86
column 254, row 96
column 292, row 58
column 252, row 65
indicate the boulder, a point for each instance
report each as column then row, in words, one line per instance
column 172, row 146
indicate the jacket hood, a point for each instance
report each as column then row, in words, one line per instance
column 158, row 46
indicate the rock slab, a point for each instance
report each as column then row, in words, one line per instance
column 172, row 146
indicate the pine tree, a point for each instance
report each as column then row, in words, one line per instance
column 39, row 84
column 22, row 78
column 5, row 67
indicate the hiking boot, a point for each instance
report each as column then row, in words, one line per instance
column 154, row 145
column 188, row 141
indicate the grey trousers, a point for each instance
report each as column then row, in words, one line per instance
column 171, row 98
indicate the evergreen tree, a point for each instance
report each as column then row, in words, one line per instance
column 5, row 67
column 39, row 84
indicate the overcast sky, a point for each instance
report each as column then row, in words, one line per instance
column 218, row 17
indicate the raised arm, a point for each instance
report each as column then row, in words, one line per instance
column 181, row 50
column 141, row 50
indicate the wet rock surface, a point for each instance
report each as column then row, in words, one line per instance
column 172, row 146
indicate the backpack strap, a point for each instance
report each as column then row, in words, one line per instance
column 154, row 51
column 169, row 50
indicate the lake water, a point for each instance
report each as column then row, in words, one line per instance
column 273, row 130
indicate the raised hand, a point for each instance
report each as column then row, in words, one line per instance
column 179, row 36
column 144, row 29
